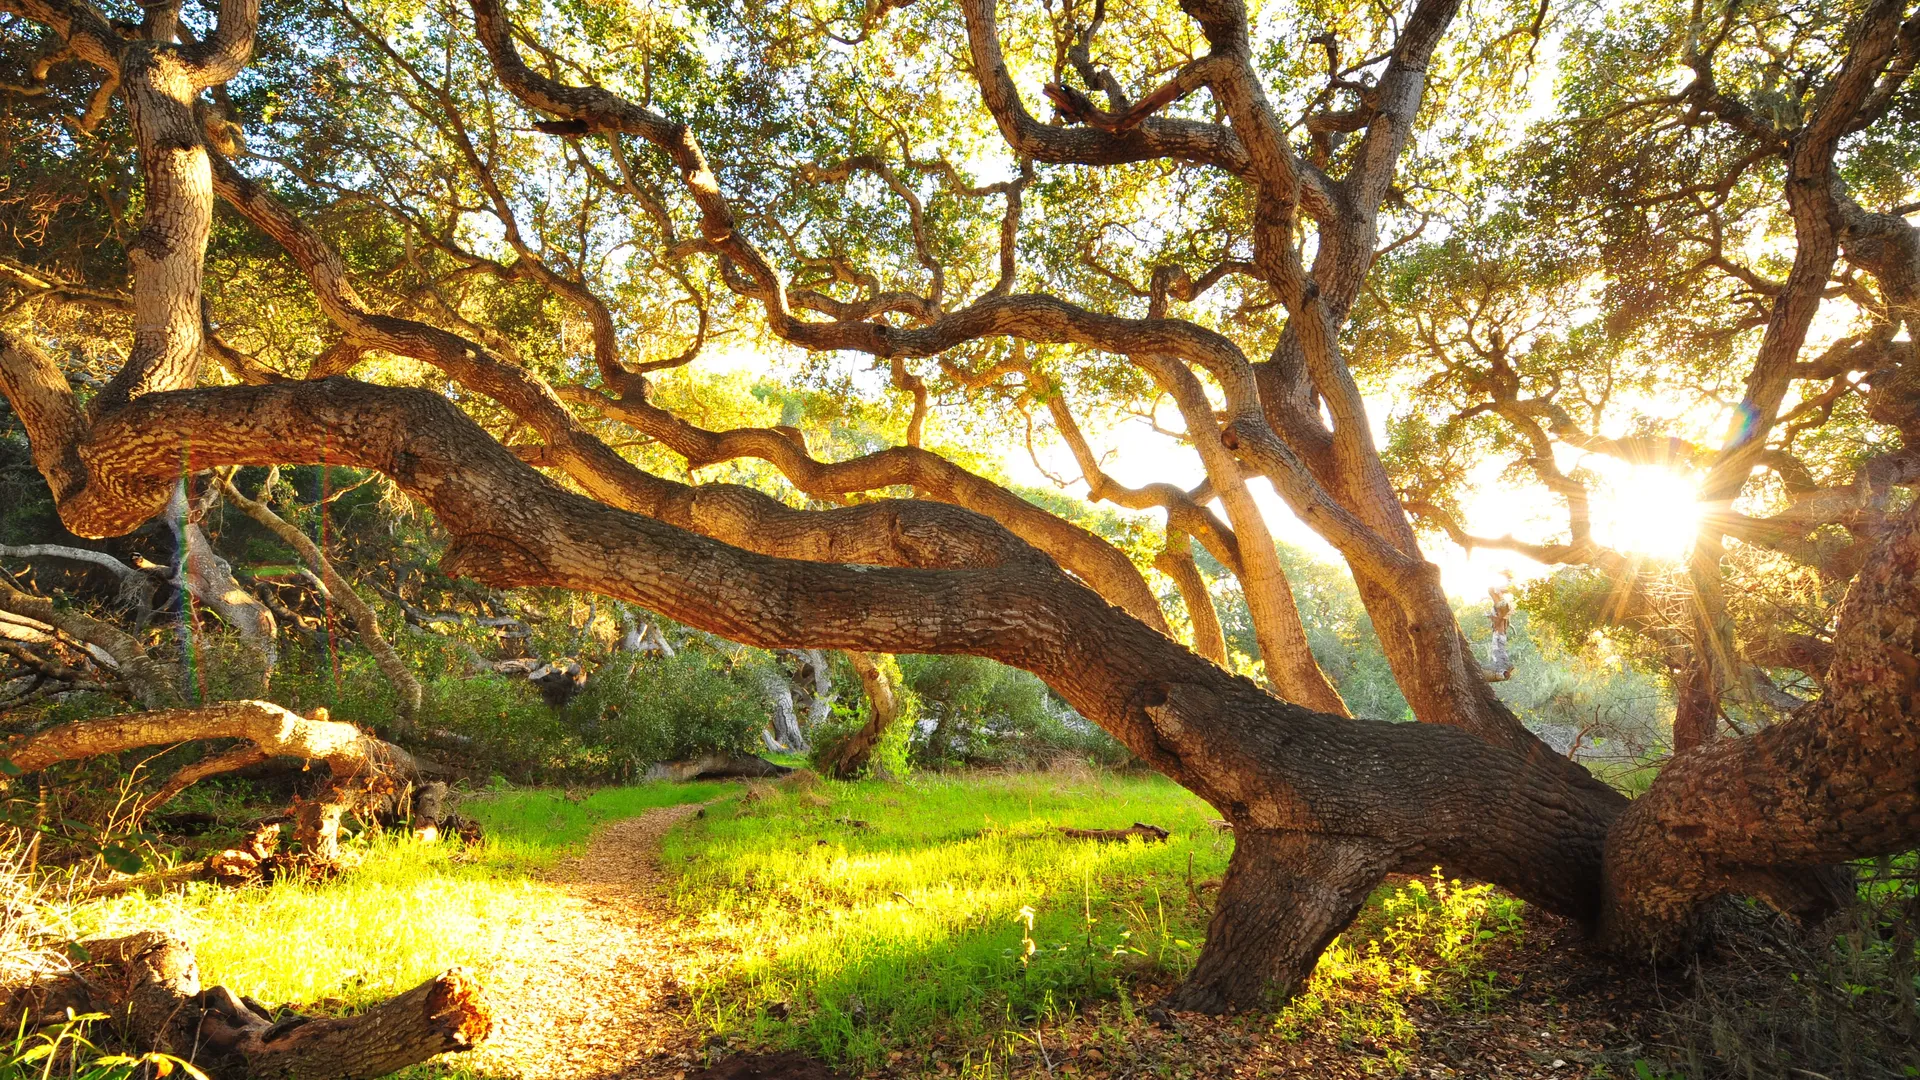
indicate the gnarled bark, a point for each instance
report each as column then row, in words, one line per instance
column 1428, row 794
column 149, row 984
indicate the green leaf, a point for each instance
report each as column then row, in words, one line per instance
column 124, row 859
column 10, row 768
column 78, row 953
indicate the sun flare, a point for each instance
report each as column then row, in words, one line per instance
column 1647, row 510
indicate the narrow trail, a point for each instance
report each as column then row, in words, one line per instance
column 595, row 988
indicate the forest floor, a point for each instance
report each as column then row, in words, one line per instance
column 621, row 980
column 594, row 987
column 941, row 927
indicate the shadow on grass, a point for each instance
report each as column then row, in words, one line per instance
column 874, row 921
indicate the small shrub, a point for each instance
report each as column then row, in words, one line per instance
column 1773, row 1002
column 631, row 714
column 977, row 712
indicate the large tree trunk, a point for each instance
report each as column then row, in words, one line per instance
column 1838, row 780
column 149, row 984
column 1327, row 803
column 853, row 754
column 1285, row 897
column 786, row 735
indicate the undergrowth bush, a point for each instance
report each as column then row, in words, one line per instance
column 975, row 712
column 632, row 713
column 1772, row 1003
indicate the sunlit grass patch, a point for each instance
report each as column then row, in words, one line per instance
column 1421, row 939
column 407, row 912
column 534, row 827
column 875, row 919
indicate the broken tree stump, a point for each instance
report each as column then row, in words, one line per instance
column 149, row 985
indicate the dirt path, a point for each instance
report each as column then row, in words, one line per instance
column 594, row 989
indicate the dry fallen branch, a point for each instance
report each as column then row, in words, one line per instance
column 1152, row 834
column 365, row 770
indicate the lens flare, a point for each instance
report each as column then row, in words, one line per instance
column 1648, row 511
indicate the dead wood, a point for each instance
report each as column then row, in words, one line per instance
column 149, row 985
column 717, row 766
column 366, row 773
column 1152, row 834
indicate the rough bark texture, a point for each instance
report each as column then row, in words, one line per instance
column 1838, row 780
column 149, row 984
column 853, row 754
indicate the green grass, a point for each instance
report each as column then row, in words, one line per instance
column 406, row 913
column 953, row 910
column 946, row 920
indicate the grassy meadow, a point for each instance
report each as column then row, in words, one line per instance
column 939, row 925
column 407, row 912
column 947, row 921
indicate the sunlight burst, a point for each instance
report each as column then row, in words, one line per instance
column 1647, row 510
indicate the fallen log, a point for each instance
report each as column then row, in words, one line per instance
column 148, row 984
column 717, row 766
column 365, row 770
column 1152, row 834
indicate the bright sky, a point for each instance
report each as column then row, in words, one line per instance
column 1646, row 510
